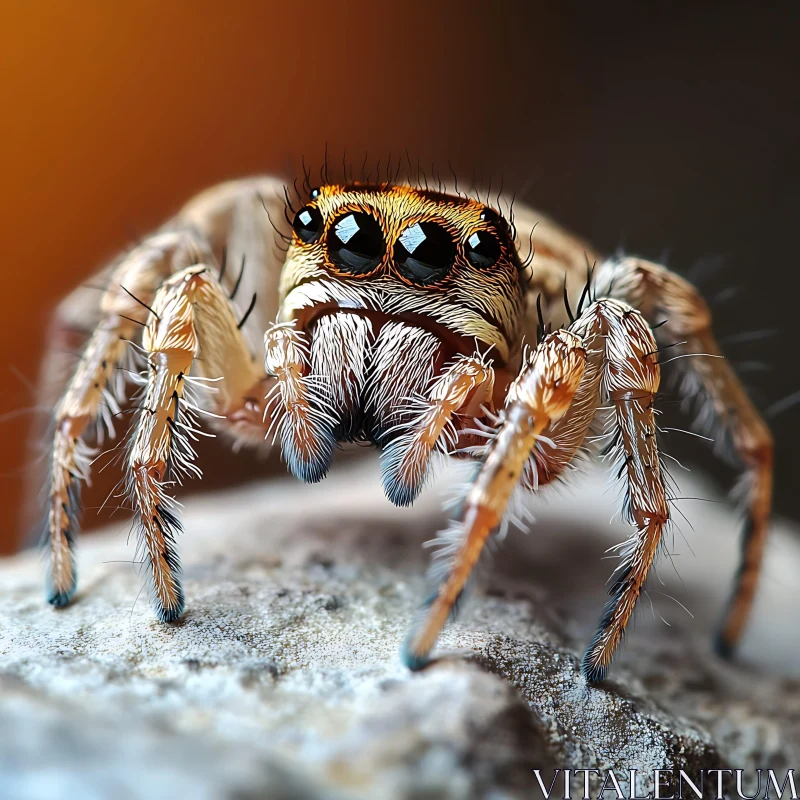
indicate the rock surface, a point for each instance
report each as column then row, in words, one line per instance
column 283, row 679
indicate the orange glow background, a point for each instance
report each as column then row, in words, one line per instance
column 114, row 113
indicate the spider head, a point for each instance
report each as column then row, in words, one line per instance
column 444, row 262
column 389, row 285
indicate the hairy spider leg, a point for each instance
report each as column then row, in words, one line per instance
column 460, row 390
column 629, row 383
column 193, row 325
column 96, row 390
column 542, row 394
column 619, row 365
column 304, row 418
column 708, row 382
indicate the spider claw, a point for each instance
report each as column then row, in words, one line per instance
column 414, row 661
column 723, row 648
column 591, row 671
column 174, row 612
column 61, row 599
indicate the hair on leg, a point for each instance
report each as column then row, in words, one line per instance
column 94, row 393
column 541, row 395
column 724, row 410
column 304, row 418
column 630, row 381
column 460, row 390
column 191, row 316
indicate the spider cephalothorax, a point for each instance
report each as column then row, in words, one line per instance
column 402, row 317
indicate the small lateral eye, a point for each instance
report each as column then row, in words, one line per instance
column 355, row 243
column 424, row 252
column 482, row 249
column 315, row 193
column 307, row 224
column 491, row 216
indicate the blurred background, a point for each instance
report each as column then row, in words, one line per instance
column 670, row 130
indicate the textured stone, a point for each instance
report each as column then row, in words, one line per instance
column 283, row 678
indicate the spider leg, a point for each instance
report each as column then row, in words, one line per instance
column 460, row 389
column 725, row 410
column 94, row 392
column 630, row 380
column 541, row 395
column 557, row 450
column 192, row 325
column 306, row 418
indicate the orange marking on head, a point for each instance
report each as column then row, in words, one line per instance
column 446, row 257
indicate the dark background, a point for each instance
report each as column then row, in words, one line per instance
column 670, row 130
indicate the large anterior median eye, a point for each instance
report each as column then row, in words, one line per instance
column 307, row 224
column 355, row 243
column 424, row 252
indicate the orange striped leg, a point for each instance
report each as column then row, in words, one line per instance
column 725, row 411
column 541, row 395
column 190, row 314
column 90, row 390
column 630, row 381
column 557, row 449
column 93, row 394
column 460, row 390
column 753, row 443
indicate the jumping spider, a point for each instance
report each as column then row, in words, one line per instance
column 395, row 315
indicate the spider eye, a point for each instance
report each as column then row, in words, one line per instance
column 314, row 193
column 307, row 224
column 482, row 249
column 355, row 243
column 490, row 215
column 424, row 252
